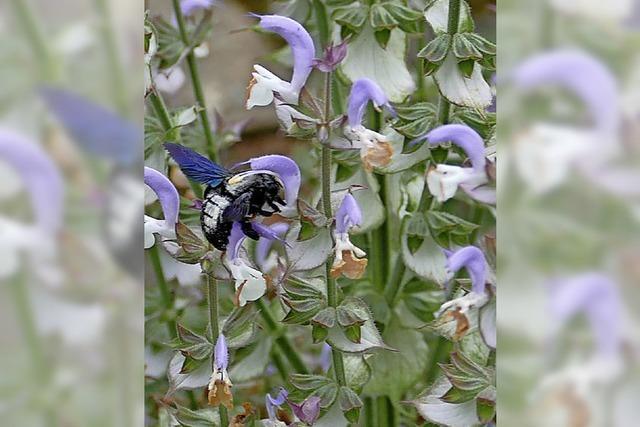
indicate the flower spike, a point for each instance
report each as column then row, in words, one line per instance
column 350, row 260
column 219, row 389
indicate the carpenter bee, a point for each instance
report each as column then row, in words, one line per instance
column 229, row 197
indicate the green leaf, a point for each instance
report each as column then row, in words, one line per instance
column 192, row 247
column 408, row 19
column 357, row 370
column 486, row 409
column 352, row 311
column 472, row 91
column 446, row 228
column 382, row 37
column 437, row 15
column 455, row 395
column 436, row 50
column 367, row 196
column 381, row 18
column 352, row 16
column 206, row 417
column 350, row 403
column 255, row 361
column 240, row 327
column 434, row 410
column 395, row 373
column 428, row 261
column 463, row 48
column 185, row 116
column 319, row 333
column 325, row 318
column 197, row 377
column 170, row 46
column 353, row 333
column 385, row 66
column 466, row 67
column 327, row 394
column 480, row 43
column 194, row 345
column 309, row 382
column 310, row 253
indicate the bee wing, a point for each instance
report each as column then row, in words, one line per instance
column 238, row 209
column 196, row 166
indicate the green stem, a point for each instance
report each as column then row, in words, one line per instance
column 281, row 340
column 165, row 293
column 214, row 330
column 196, row 83
column 370, row 412
column 453, row 22
column 116, row 70
column 279, row 362
column 393, row 288
column 35, row 34
column 332, row 287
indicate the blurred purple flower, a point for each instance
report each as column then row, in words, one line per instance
column 95, row 128
column 40, row 176
column 595, row 295
column 444, row 180
column 333, row 56
column 189, row 7
column 308, row 411
column 221, row 353
column 45, row 187
column 170, row 202
column 273, row 403
column 349, row 259
column 264, row 83
column 585, row 76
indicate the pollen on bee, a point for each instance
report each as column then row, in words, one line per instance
column 235, row 179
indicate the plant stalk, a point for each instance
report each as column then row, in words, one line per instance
column 282, row 341
column 214, row 330
column 198, row 93
column 36, row 36
column 332, row 288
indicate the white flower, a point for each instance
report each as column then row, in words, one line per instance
column 250, row 283
column 443, row 180
column 375, row 148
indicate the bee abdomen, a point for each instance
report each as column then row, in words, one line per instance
column 214, row 228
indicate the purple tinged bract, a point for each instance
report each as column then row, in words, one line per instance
column 333, row 56
column 581, row 73
column 349, row 214
column 363, row 91
column 40, row 175
column 301, row 43
column 308, row 411
column 595, row 295
column 471, row 258
column 166, row 192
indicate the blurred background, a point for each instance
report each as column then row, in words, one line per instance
column 71, row 138
column 569, row 186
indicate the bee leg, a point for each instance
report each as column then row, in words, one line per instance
column 265, row 213
column 279, row 200
column 248, row 230
column 275, row 207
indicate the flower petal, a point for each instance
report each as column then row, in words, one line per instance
column 301, row 44
column 349, row 214
column 236, row 237
column 363, row 91
column 284, row 167
column 221, row 353
column 464, row 137
column 587, row 77
column 166, row 192
column 189, row 7
column 471, row 258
